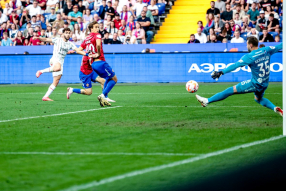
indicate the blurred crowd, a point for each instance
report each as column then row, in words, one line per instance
column 120, row 21
column 232, row 21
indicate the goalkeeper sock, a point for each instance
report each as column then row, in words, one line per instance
column 266, row 103
column 50, row 90
column 109, row 85
column 50, row 69
column 76, row 91
column 221, row 96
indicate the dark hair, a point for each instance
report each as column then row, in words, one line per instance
column 238, row 5
column 90, row 26
column 271, row 15
column 261, row 45
column 147, row 50
column 212, row 2
column 34, row 16
column 265, row 28
column 227, row 4
column 252, row 40
column 66, row 29
column 200, row 21
column 192, row 35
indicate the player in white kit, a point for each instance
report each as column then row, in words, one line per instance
column 62, row 45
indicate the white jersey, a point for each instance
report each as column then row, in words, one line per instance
column 61, row 49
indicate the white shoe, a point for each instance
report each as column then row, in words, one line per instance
column 110, row 100
column 279, row 111
column 69, row 92
column 204, row 101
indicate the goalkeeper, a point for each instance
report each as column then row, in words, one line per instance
column 259, row 62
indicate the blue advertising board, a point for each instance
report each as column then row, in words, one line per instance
column 169, row 67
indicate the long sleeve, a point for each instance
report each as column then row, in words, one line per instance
column 242, row 62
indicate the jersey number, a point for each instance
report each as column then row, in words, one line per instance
column 90, row 48
column 264, row 71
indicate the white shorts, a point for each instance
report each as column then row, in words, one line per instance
column 53, row 62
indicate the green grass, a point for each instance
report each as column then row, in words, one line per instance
column 153, row 118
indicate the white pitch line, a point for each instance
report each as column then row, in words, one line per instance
column 158, row 106
column 34, row 117
column 162, row 167
column 97, row 153
column 135, row 93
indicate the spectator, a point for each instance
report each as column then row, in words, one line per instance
column 6, row 41
column 106, row 38
column 237, row 38
column 200, row 25
column 51, row 17
column 114, row 40
column 42, row 4
column 67, row 9
column 74, row 15
column 193, row 39
column 58, row 23
column 3, row 3
column 117, row 8
column 154, row 9
column 121, row 36
column 227, row 15
column 117, row 21
column 69, row 25
column 18, row 41
column 103, row 9
column 51, row 4
column 238, row 10
column 218, row 24
column 237, row 20
column 25, row 32
column 213, row 10
column 249, row 4
column 34, row 41
column 24, row 19
column 111, row 29
column 123, row 26
column 211, row 32
column 219, row 4
column 26, row 42
column 4, row 28
column 102, row 31
column 234, row 3
column 107, row 22
column 131, row 24
column 200, row 36
column 226, row 32
column 13, row 32
column 8, row 9
column 75, row 41
column 128, row 38
column 34, row 9
column 81, row 8
column 54, row 34
column 261, row 45
column 210, row 23
column 110, row 10
column 125, row 14
column 148, row 15
column 30, row 33
column 268, row 11
column 213, row 39
column 261, row 23
column 272, row 23
column 264, row 4
column 97, row 18
column 145, row 22
column 224, row 40
column 49, row 31
column 14, row 18
column 78, row 33
column 277, row 38
column 138, row 34
column 138, row 7
column 253, row 14
column 246, row 24
column 266, row 37
column 88, row 17
column 3, row 18
column 34, row 22
column 253, row 32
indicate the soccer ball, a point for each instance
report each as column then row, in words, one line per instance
column 192, row 86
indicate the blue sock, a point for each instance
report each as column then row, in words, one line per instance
column 105, row 84
column 76, row 91
column 222, row 95
column 110, row 84
column 266, row 103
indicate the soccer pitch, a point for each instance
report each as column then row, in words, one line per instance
column 155, row 137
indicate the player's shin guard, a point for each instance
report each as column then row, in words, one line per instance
column 50, row 90
column 266, row 103
column 108, row 87
column 222, row 95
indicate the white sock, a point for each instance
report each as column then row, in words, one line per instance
column 50, row 90
column 50, row 69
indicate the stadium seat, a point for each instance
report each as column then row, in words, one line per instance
column 244, row 35
column 273, row 34
column 46, row 15
column 161, row 7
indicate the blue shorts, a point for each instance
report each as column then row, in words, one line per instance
column 103, row 69
column 87, row 79
column 247, row 87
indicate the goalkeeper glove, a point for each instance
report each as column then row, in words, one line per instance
column 216, row 75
